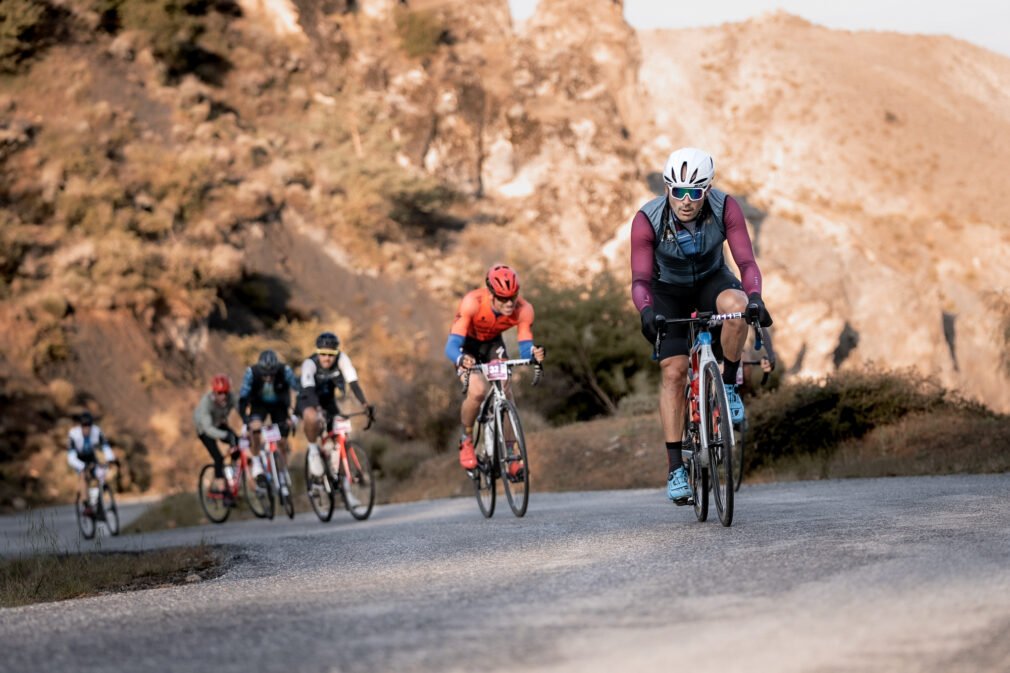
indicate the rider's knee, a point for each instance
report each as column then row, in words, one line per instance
column 674, row 371
column 732, row 301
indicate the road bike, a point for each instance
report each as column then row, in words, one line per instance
column 216, row 504
column 346, row 469
column 708, row 436
column 499, row 441
column 762, row 341
column 276, row 484
column 97, row 504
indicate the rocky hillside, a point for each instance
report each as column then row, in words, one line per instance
column 186, row 181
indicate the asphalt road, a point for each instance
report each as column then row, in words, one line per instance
column 859, row 575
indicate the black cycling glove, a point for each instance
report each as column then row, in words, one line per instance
column 649, row 324
column 756, row 311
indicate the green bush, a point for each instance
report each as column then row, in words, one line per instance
column 26, row 28
column 813, row 417
column 594, row 348
column 179, row 31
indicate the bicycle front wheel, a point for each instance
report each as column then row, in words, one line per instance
column 697, row 474
column 515, row 471
column 720, row 442
column 739, row 435
column 255, row 496
column 358, row 486
column 284, row 493
column 321, row 496
column 484, row 477
column 213, row 504
column 85, row 521
column 110, row 512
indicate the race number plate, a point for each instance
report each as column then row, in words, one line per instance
column 497, row 371
column 341, row 426
column 271, row 433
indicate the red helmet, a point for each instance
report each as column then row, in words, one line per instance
column 502, row 281
column 220, row 384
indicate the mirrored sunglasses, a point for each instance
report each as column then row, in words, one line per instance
column 693, row 193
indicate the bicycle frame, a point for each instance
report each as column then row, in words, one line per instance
column 700, row 355
column 271, row 437
column 498, row 373
column 337, row 430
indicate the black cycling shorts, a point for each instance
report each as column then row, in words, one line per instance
column 485, row 351
column 278, row 414
column 328, row 404
column 675, row 301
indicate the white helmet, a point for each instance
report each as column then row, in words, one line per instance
column 689, row 167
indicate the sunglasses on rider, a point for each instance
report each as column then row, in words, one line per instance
column 693, row 193
column 328, row 351
column 506, row 300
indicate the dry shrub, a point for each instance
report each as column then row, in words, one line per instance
column 810, row 416
column 947, row 441
column 62, row 392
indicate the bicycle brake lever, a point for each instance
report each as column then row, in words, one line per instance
column 538, row 372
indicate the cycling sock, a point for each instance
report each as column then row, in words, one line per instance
column 467, row 432
column 673, row 455
column 729, row 369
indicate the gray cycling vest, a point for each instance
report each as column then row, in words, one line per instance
column 670, row 264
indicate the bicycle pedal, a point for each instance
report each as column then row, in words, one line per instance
column 680, row 502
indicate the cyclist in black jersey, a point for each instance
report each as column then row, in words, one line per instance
column 325, row 377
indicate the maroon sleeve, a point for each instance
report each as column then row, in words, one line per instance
column 643, row 240
column 739, row 246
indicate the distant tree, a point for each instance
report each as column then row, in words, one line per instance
column 594, row 347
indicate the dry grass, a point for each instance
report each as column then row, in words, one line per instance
column 49, row 573
column 57, row 577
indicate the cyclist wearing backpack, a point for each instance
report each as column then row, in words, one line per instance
column 266, row 392
column 475, row 338
column 677, row 267
column 211, row 420
column 324, row 379
column 83, row 441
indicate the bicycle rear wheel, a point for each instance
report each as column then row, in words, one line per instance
column 358, row 486
column 485, row 486
column 720, row 442
column 85, row 522
column 213, row 504
column 110, row 512
column 515, row 473
column 321, row 495
column 255, row 496
column 739, row 435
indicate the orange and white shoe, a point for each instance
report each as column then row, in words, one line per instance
column 467, row 457
column 516, row 471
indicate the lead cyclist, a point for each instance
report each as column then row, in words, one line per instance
column 677, row 267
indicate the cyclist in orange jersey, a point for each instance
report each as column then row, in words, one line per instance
column 475, row 338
